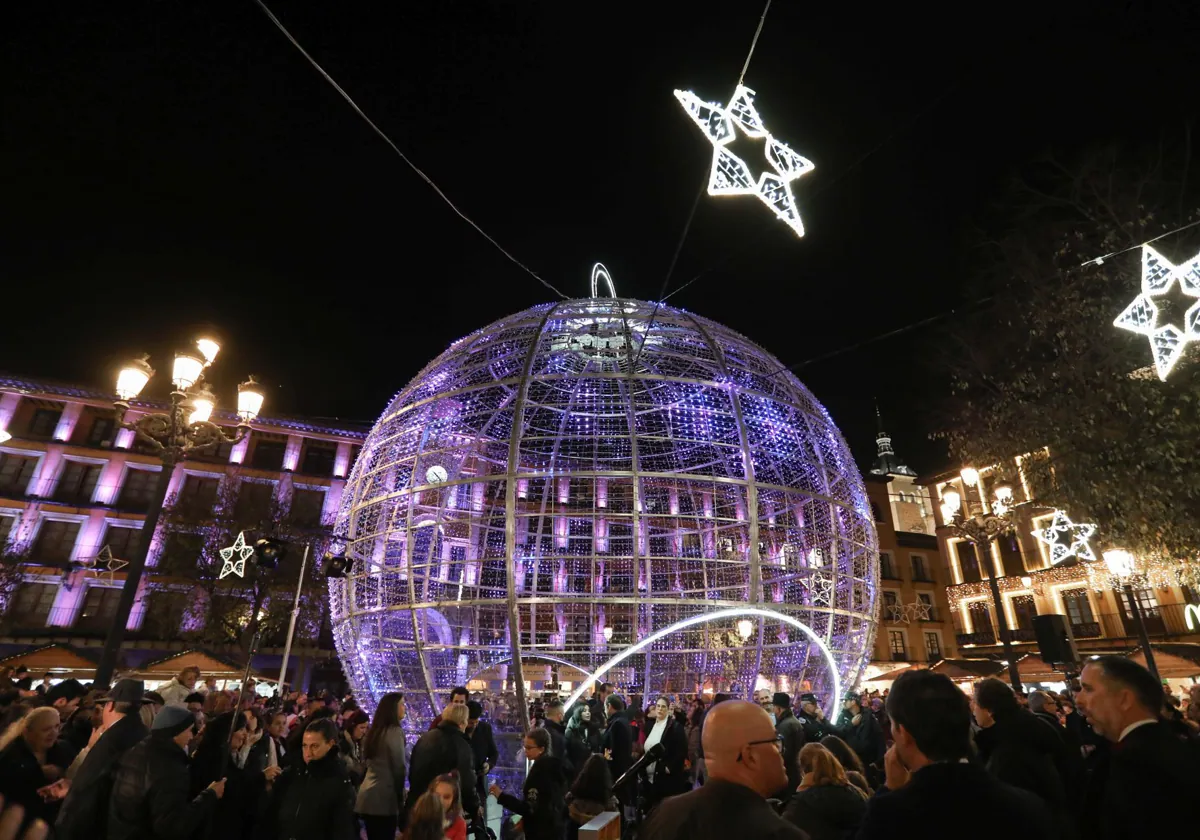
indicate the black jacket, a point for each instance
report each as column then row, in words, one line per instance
column 483, row 746
column 827, row 812
column 670, row 777
column 440, row 751
column 792, row 730
column 1143, row 787
column 866, row 739
column 814, row 730
column 234, row 815
column 558, row 747
column 1020, row 749
column 941, row 799
column 718, row 811
column 618, row 739
column 86, row 805
column 541, row 807
column 583, row 741
column 21, row 776
column 312, row 801
column 150, row 795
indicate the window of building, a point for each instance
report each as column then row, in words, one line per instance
column 318, row 459
column 44, row 422
column 77, row 482
column 254, row 500
column 122, row 542
column 1010, row 554
column 165, row 610
column 55, row 541
column 920, row 567
column 887, row 566
column 933, row 647
column 307, row 506
column 99, row 608
column 101, row 432
column 6, row 526
column 1148, row 606
column 896, row 645
column 876, row 512
column 31, row 605
column 137, row 489
column 199, row 493
column 1024, row 611
column 926, row 600
column 15, row 473
column 268, row 455
column 180, row 554
column 891, row 606
column 1078, row 607
column 981, row 617
column 968, row 561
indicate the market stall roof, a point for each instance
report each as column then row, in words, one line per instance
column 891, row 676
column 1174, row 659
column 968, row 669
column 210, row 665
column 61, row 660
column 1033, row 669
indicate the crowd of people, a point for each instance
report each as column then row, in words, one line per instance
column 1115, row 758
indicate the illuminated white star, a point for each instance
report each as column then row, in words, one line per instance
column 1167, row 341
column 243, row 552
column 730, row 174
column 111, row 565
column 1076, row 539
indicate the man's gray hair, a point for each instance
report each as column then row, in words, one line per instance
column 1038, row 700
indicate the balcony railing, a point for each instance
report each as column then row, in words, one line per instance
column 1165, row 620
column 985, row 637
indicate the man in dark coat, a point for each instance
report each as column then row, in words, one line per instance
column 813, row 719
column 599, row 704
column 312, row 799
column 791, row 731
column 618, row 744
column 441, row 750
column 932, row 790
column 558, row 738
column 483, row 748
column 1144, row 780
column 745, row 767
column 860, row 729
column 150, row 785
column 87, row 794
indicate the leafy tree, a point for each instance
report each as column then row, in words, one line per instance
column 1044, row 367
column 232, row 609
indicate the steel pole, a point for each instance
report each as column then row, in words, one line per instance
column 133, row 574
column 1014, row 675
column 1151, row 665
column 287, row 647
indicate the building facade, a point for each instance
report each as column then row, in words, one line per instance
column 1099, row 615
column 915, row 624
column 72, row 483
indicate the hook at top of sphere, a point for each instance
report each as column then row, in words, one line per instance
column 599, row 272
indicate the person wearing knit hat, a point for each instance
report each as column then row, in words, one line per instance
column 791, row 733
column 150, row 784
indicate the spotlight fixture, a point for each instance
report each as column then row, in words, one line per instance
column 337, row 565
column 268, row 552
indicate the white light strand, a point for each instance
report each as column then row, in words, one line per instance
column 230, row 565
column 730, row 175
column 1076, row 545
column 1167, row 341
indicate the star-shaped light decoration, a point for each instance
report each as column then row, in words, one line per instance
column 730, row 174
column 1143, row 316
column 820, row 588
column 1066, row 539
column 919, row 610
column 111, row 564
column 243, row 552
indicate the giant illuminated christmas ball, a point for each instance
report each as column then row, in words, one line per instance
column 596, row 479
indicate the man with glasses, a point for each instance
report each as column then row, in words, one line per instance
column 745, row 767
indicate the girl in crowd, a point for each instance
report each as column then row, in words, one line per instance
column 590, row 796
column 826, row 806
column 353, row 732
column 446, row 787
column 427, row 818
column 850, row 762
column 583, row 736
column 541, row 806
column 380, row 799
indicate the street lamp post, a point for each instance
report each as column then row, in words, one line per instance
column 982, row 528
column 1122, row 566
column 183, row 429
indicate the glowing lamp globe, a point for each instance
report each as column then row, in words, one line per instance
column 572, row 491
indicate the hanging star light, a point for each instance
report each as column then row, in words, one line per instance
column 243, row 552
column 111, row 564
column 1143, row 316
column 1075, row 543
column 730, row 174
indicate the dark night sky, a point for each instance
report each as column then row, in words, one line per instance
column 171, row 164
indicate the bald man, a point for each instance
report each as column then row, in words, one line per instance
column 741, row 754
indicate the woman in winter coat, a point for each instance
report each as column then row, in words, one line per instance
column 826, row 805
column 312, row 799
column 583, row 736
column 353, row 732
column 380, row 798
column 590, row 796
column 694, row 724
column 541, row 806
column 668, row 775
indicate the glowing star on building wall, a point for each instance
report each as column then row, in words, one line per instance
column 243, row 552
column 1066, row 539
column 1143, row 315
column 730, row 174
